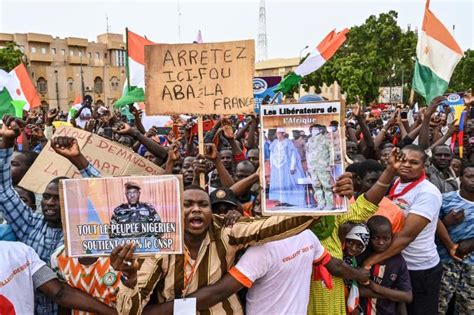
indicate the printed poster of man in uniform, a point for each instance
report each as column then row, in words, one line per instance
column 102, row 213
column 134, row 211
column 305, row 159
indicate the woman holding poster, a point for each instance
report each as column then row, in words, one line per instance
column 286, row 168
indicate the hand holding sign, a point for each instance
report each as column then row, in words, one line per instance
column 122, row 260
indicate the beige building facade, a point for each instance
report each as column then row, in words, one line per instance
column 281, row 66
column 54, row 65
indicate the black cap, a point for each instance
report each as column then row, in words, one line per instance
column 224, row 195
column 130, row 185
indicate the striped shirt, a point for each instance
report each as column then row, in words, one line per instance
column 165, row 273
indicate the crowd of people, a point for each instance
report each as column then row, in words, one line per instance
column 403, row 247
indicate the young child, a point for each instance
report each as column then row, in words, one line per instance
column 355, row 242
column 390, row 281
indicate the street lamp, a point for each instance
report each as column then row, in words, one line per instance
column 57, row 89
column 301, row 51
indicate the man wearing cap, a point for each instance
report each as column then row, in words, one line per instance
column 286, row 168
column 224, row 200
column 133, row 211
column 319, row 154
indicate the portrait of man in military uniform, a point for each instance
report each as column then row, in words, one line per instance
column 134, row 211
column 320, row 157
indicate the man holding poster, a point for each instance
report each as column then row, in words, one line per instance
column 285, row 170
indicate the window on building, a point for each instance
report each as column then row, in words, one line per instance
column 97, row 55
column 22, row 48
column 119, row 58
column 33, row 49
column 105, row 55
column 71, row 52
column 98, row 85
column 70, row 84
column 43, row 50
column 63, row 52
column 89, row 55
column 42, row 85
column 114, row 83
column 53, row 51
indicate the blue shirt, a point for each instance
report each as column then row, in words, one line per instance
column 457, row 232
column 29, row 227
column 6, row 233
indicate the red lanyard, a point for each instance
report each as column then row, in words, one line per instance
column 392, row 195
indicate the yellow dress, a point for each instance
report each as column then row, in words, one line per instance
column 332, row 302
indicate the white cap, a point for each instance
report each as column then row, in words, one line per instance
column 279, row 129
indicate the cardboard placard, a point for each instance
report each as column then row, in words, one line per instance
column 200, row 78
column 305, row 156
column 109, row 157
column 101, row 213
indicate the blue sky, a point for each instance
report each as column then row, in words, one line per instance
column 291, row 25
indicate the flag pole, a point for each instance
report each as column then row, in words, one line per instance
column 127, row 70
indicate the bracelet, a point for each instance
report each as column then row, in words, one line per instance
column 382, row 184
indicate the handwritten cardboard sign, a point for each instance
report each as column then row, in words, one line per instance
column 110, row 158
column 200, row 78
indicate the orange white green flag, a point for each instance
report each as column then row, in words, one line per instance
column 437, row 54
column 134, row 91
column 17, row 90
column 323, row 52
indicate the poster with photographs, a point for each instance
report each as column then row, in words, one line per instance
column 303, row 155
column 102, row 213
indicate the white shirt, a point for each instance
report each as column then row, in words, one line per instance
column 423, row 200
column 279, row 274
column 18, row 264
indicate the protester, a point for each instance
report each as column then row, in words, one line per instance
column 205, row 236
column 390, row 280
column 268, row 271
column 457, row 215
column 24, row 272
column 421, row 200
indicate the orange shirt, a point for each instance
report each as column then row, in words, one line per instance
column 98, row 279
column 391, row 211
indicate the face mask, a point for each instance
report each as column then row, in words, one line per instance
column 315, row 132
column 333, row 129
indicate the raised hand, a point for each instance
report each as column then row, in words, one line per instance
column 124, row 129
column 228, row 132
column 66, row 146
column 396, row 158
column 199, row 165
column 173, row 152
column 10, row 130
column 434, row 105
column 211, row 151
column 51, row 116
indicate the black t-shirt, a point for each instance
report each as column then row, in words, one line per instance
column 392, row 274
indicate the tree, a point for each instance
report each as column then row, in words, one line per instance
column 10, row 57
column 463, row 76
column 375, row 54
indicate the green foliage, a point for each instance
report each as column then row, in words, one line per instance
column 10, row 57
column 375, row 54
column 463, row 76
